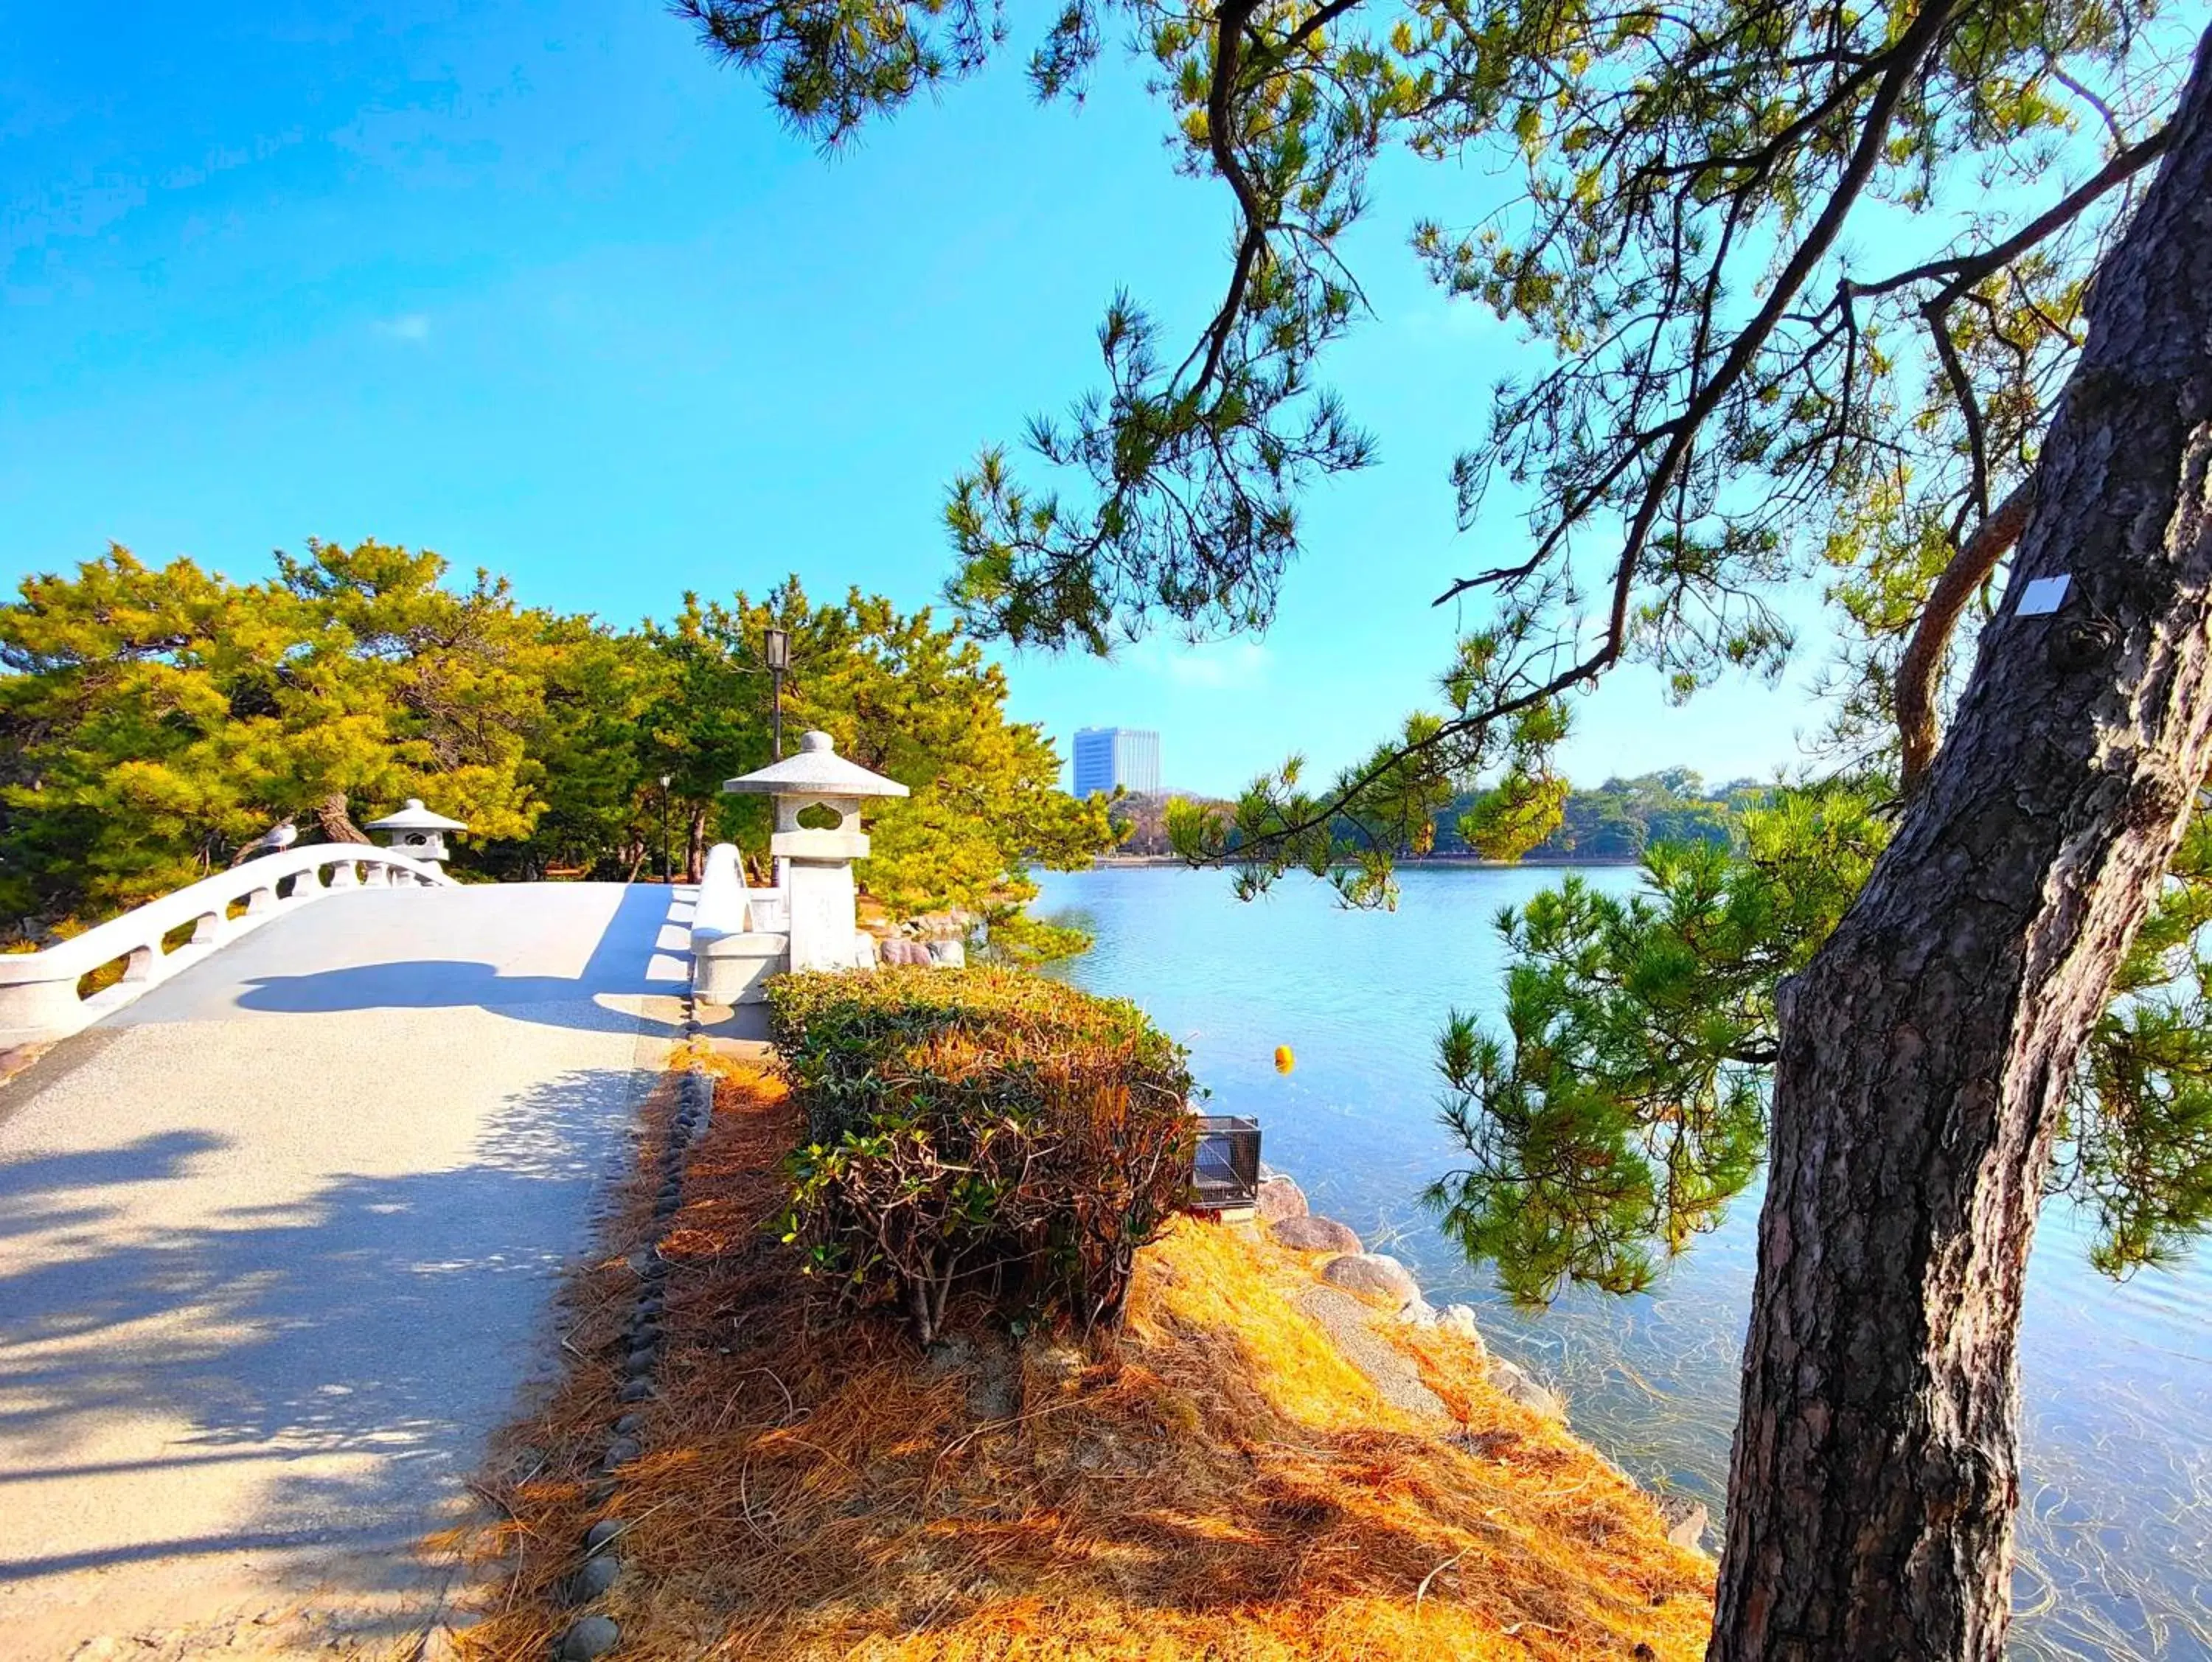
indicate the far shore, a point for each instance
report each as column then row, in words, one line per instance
column 1475, row 862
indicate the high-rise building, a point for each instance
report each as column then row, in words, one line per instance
column 1107, row 757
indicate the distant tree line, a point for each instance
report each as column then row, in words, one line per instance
column 1622, row 818
column 1619, row 820
column 155, row 721
column 1140, row 820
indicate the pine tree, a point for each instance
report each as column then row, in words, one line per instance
column 1812, row 277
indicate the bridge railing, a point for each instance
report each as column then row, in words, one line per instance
column 739, row 937
column 39, row 995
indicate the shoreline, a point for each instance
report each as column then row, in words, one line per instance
column 1348, row 1277
column 1457, row 862
column 1265, row 1457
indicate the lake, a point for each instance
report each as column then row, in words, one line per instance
column 2115, row 1515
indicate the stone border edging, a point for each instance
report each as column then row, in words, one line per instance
column 594, row 1634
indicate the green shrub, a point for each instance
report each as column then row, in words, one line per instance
column 1017, row 938
column 966, row 1122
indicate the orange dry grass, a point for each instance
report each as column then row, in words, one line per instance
column 1223, row 1484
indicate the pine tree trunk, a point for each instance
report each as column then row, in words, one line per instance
column 1927, row 1049
column 335, row 818
column 694, row 848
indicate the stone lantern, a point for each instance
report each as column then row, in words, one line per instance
column 816, row 796
column 415, row 830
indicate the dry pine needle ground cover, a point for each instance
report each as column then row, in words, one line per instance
column 1221, row 1484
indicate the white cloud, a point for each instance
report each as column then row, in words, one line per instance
column 1216, row 666
column 1448, row 317
column 411, row 326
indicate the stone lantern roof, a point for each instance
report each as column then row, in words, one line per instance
column 415, row 817
column 817, row 770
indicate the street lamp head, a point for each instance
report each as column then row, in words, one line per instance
column 666, row 780
column 778, row 649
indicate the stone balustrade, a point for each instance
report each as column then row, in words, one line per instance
column 736, row 943
column 741, row 936
column 40, row 1000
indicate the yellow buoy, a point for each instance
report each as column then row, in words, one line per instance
column 1284, row 1060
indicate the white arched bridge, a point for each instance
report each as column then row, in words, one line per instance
column 282, row 1214
column 286, row 1196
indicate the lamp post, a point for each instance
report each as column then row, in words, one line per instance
column 667, row 873
column 779, row 660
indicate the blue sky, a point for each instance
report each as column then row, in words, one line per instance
column 543, row 289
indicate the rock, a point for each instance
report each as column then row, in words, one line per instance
column 602, row 1533
column 1459, row 1321
column 1280, row 1198
column 1686, row 1519
column 1372, row 1276
column 635, row 1391
column 588, row 1637
column 629, row 1424
column 594, row 1577
column 949, row 954
column 1420, row 1313
column 1514, row 1381
column 620, row 1453
column 1311, row 1234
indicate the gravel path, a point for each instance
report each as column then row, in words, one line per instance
column 278, row 1245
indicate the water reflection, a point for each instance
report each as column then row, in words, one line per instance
column 2115, row 1525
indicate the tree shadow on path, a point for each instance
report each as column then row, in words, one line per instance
column 391, row 1320
column 639, row 954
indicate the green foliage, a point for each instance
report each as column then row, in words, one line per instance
column 1624, row 1104
column 2138, row 1150
column 157, row 719
column 1538, row 818
column 960, row 1121
column 1624, row 1108
column 1387, row 804
column 154, row 721
column 1020, row 939
column 908, row 698
column 1521, row 813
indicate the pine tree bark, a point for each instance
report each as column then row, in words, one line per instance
column 694, row 844
column 1926, row 1050
column 334, row 817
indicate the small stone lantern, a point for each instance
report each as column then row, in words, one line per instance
column 415, row 830
column 816, row 796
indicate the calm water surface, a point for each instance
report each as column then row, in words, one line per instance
column 2116, row 1517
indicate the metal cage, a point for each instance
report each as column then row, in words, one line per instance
column 1225, row 1172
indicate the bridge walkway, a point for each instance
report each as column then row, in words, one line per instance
column 278, row 1248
